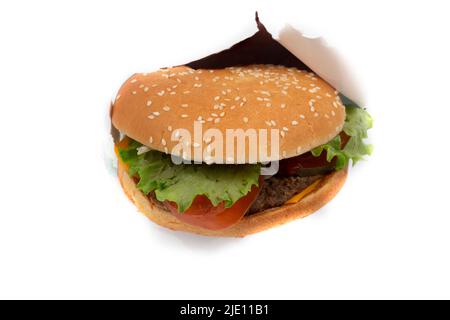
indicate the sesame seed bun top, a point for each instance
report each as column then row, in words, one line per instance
column 152, row 108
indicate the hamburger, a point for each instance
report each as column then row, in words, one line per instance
column 205, row 186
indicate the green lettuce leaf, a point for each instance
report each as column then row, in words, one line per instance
column 357, row 122
column 182, row 183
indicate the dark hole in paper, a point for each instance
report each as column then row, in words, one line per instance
column 261, row 48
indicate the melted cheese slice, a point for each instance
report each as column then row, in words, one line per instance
column 304, row 193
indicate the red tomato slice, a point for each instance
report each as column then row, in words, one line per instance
column 292, row 165
column 203, row 214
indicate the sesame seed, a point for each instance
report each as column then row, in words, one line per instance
column 294, row 122
column 268, row 104
column 134, row 92
column 224, row 92
column 216, row 98
column 269, row 123
column 178, row 80
column 184, row 105
column 118, row 97
column 335, row 104
column 259, row 99
column 216, row 120
column 284, row 92
column 319, row 97
column 283, row 134
column 146, row 89
column 169, row 128
column 302, row 116
column 299, row 149
column 316, row 114
column 333, row 113
column 222, row 114
column 184, row 115
column 283, row 105
column 267, row 93
column 237, row 98
column 166, row 108
column 156, row 113
column 242, row 103
column 154, row 85
column 285, row 129
column 196, row 78
column 150, row 140
column 161, row 93
column 166, row 150
column 141, row 86
column 186, row 92
column 151, row 117
column 328, row 95
column 133, row 81
column 273, row 122
column 326, row 115
column 266, row 99
column 245, row 119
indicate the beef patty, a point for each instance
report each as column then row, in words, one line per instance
column 279, row 189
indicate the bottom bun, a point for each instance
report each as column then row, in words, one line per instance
column 323, row 193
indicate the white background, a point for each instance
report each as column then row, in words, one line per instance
column 68, row 231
